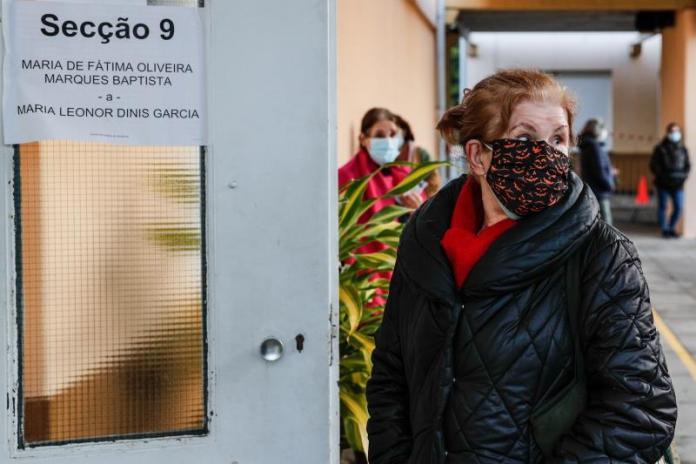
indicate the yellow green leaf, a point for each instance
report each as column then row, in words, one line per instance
column 354, row 202
column 363, row 342
column 413, row 178
column 376, row 260
column 389, row 213
column 357, row 410
column 350, row 300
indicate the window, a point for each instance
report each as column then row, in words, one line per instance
column 110, row 291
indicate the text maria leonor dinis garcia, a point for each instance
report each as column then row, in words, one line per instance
column 104, row 73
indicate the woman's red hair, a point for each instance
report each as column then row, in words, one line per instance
column 485, row 110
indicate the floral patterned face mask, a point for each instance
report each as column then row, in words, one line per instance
column 527, row 177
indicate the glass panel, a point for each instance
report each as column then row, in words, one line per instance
column 110, row 291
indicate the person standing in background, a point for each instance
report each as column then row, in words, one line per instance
column 380, row 144
column 670, row 164
column 596, row 167
column 416, row 154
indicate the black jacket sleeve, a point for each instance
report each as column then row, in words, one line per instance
column 605, row 177
column 656, row 163
column 388, row 428
column 596, row 167
column 631, row 410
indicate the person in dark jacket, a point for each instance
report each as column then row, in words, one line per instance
column 595, row 166
column 477, row 331
column 670, row 164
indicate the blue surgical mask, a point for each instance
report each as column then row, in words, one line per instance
column 400, row 140
column 384, row 150
column 674, row 136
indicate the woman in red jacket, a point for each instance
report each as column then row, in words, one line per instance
column 380, row 144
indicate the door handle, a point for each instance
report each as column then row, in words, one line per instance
column 271, row 349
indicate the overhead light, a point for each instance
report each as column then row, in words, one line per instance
column 472, row 50
column 637, row 47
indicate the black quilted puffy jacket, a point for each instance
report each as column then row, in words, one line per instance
column 457, row 372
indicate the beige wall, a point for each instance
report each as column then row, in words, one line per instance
column 386, row 57
column 582, row 5
column 679, row 95
column 672, row 69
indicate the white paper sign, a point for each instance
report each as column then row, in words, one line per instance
column 104, row 73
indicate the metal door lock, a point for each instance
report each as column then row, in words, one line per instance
column 299, row 342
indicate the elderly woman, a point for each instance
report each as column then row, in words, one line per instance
column 518, row 327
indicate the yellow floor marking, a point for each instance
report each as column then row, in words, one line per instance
column 676, row 345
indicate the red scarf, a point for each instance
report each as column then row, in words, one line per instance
column 464, row 242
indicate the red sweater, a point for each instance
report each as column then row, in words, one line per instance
column 464, row 242
column 361, row 165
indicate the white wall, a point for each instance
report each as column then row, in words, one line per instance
column 594, row 90
column 635, row 81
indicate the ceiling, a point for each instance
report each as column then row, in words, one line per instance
column 563, row 21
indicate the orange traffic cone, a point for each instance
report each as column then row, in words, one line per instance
column 642, row 196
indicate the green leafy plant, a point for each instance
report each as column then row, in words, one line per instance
column 359, row 282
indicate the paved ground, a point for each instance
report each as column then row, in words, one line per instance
column 670, row 268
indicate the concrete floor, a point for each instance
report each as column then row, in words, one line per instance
column 670, row 268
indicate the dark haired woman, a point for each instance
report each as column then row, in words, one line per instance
column 670, row 164
column 379, row 144
column 596, row 167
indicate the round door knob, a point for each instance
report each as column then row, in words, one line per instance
column 271, row 349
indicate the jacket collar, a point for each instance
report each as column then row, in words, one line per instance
column 531, row 249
